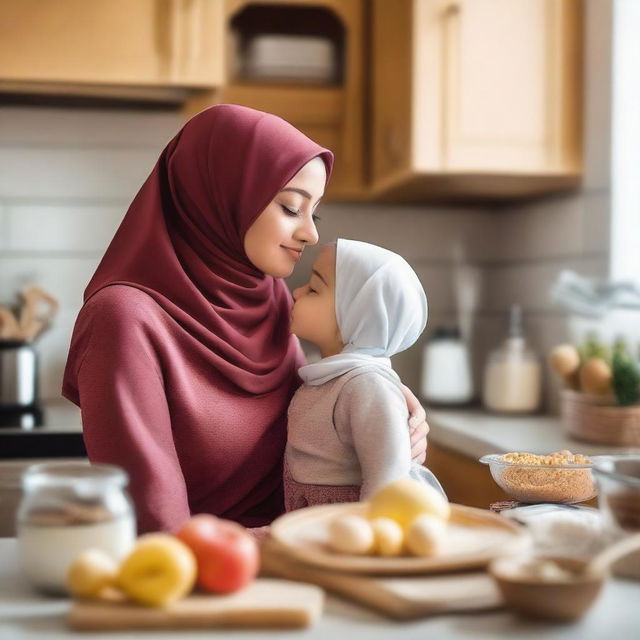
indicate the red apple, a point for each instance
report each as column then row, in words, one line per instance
column 227, row 555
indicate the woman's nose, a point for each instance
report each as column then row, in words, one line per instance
column 297, row 292
column 307, row 232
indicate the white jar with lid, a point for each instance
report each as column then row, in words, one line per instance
column 512, row 377
column 446, row 370
column 66, row 508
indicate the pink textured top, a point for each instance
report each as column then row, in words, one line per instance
column 152, row 405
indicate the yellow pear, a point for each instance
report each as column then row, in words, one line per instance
column 405, row 499
column 90, row 572
column 159, row 570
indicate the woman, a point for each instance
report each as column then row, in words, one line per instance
column 181, row 359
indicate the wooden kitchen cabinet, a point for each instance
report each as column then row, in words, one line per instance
column 464, row 480
column 475, row 98
column 332, row 114
column 63, row 45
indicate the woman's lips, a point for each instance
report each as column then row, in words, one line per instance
column 296, row 254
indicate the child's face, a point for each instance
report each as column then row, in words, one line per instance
column 314, row 313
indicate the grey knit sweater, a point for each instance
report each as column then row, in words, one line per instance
column 352, row 430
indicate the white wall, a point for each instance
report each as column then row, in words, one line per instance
column 66, row 178
column 625, row 161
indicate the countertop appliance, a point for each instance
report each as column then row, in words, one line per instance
column 19, row 406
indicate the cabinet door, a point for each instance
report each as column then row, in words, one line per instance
column 142, row 42
column 501, row 95
column 475, row 98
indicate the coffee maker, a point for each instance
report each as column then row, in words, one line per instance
column 19, row 406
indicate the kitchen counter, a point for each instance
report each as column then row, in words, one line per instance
column 474, row 433
column 469, row 432
column 26, row 615
column 59, row 436
column 459, row 438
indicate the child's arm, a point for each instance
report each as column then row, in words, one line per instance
column 371, row 415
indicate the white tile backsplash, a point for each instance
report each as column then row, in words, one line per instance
column 542, row 229
column 94, row 173
column 597, row 94
column 596, row 225
column 85, row 228
column 3, row 228
column 53, row 346
column 43, row 127
column 419, row 233
column 529, row 283
column 64, row 277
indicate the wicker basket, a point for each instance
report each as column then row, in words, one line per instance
column 588, row 418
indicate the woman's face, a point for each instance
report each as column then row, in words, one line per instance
column 275, row 241
column 313, row 316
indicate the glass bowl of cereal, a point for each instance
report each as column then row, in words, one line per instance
column 562, row 476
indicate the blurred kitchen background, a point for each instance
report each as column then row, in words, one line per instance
column 492, row 143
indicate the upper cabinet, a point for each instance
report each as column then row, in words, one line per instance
column 475, row 98
column 302, row 60
column 418, row 99
column 65, row 45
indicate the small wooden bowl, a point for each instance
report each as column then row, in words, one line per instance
column 537, row 597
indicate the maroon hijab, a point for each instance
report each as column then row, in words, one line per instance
column 181, row 240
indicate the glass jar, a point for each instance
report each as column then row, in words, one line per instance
column 512, row 376
column 67, row 508
column 618, row 479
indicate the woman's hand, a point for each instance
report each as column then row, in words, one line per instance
column 418, row 427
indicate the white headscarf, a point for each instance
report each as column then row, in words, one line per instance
column 381, row 309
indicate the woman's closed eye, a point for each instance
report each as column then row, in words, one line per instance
column 291, row 212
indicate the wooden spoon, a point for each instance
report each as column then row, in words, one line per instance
column 9, row 328
column 32, row 322
column 570, row 589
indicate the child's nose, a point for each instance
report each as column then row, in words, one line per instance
column 297, row 292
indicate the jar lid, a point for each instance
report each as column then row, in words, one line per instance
column 81, row 476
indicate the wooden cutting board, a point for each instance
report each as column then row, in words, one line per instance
column 266, row 603
column 402, row 597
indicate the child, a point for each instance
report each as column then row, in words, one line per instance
column 347, row 429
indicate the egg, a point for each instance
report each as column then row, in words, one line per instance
column 352, row 534
column 388, row 537
column 425, row 535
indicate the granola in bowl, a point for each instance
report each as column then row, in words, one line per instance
column 560, row 476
